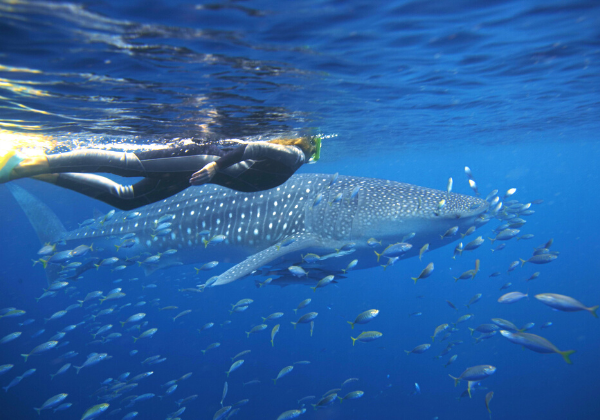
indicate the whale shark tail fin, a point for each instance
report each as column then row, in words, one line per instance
column 44, row 221
column 46, row 224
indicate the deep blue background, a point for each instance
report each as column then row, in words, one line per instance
column 413, row 91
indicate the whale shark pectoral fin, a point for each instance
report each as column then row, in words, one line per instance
column 265, row 256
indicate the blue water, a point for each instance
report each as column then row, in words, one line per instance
column 407, row 91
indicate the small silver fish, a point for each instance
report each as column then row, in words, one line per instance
column 440, row 205
column 512, row 297
column 474, row 244
column 475, row 373
column 334, row 178
column 565, row 303
column 225, row 389
column 207, row 266
column 350, row 266
column 408, row 237
column 274, row 332
column 474, row 300
column 539, row 259
column 217, row 239
column 423, row 250
column 458, row 250
column 536, row 343
column 297, row 271
column 469, row 231
column 425, row 273
column 366, row 336
column 323, row 282
column 512, row 266
column 450, row 232
column 336, row 199
column 305, row 319
column 422, row 348
column 318, row 199
column 236, row 365
column 286, row 370
column 394, row 250
column 510, row 192
column 256, row 329
column 473, row 186
column 505, row 235
column 302, row 304
column 365, row 317
column 491, row 195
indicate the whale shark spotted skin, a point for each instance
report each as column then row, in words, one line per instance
column 330, row 216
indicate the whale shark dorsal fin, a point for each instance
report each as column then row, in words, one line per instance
column 264, row 257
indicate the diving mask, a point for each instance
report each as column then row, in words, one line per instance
column 317, row 155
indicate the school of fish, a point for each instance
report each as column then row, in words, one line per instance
column 126, row 315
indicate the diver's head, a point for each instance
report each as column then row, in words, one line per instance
column 311, row 146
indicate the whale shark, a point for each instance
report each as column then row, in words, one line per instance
column 338, row 219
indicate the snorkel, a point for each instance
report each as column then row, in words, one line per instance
column 317, row 155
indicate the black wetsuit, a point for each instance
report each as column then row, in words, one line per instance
column 248, row 168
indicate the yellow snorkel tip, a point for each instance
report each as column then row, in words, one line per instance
column 317, row 154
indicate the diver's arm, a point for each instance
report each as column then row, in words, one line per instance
column 231, row 158
column 208, row 172
column 291, row 156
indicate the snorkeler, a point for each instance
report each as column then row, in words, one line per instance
column 254, row 166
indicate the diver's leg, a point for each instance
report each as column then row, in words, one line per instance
column 90, row 161
column 94, row 186
column 154, row 163
column 17, row 165
column 13, row 164
column 123, row 197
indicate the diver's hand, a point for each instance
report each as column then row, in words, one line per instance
column 204, row 175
